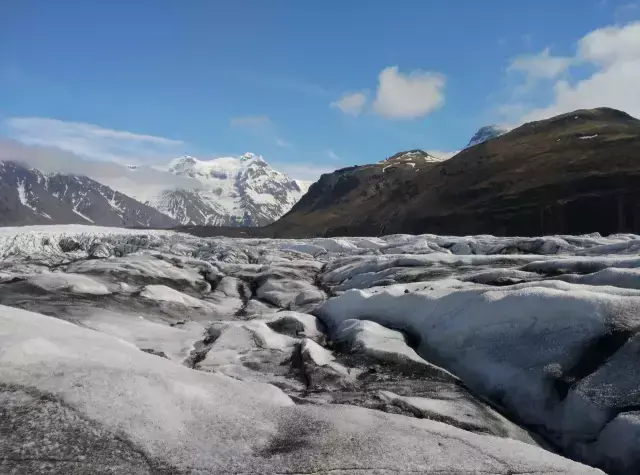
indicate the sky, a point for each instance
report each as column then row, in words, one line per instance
column 310, row 85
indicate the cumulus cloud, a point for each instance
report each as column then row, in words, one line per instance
column 612, row 54
column 540, row 66
column 251, row 121
column 351, row 103
column 91, row 141
column 408, row 96
column 614, row 44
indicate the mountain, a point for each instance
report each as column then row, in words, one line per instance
column 27, row 196
column 413, row 158
column 348, row 195
column 235, row 191
column 486, row 133
column 571, row 174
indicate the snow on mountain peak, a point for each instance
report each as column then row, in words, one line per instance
column 412, row 157
column 249, row 156
column 241, row 190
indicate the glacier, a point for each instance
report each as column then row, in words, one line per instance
column 161, row 352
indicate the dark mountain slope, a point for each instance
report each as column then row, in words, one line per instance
column 574, row 173
column 29, row 197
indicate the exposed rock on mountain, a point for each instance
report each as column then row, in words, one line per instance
column 413, row 158
column 28, row 196
column 242, row 191
column 486, row 133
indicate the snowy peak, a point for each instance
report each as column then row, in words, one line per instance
column 251, row 156
column 234, row 191
column 412, row 157
column 216, row 168
column 485, row 133
column 416, row 155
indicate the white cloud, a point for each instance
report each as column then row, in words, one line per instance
column 408, row 96
column 615, row 53
column 54, row 146
column 540, row 66
column 145, row 180
column 251, row 121
column 614, row 44
column 351, row 103
column 92, row 141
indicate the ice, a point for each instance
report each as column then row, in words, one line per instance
column 167, row 294
column 176, row 342
column 60, row 282
column 290, row 294
column 517, row 346
column 459, row 411
column 294, row 323
column 625, row 278
column 367, row 335
column 186, row 420
column 378, row 342
column 143, row 268
column 316, row 353
column 620, row 440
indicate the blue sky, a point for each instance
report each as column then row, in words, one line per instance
column 311, row 86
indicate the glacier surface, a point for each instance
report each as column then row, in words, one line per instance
column 137, row 351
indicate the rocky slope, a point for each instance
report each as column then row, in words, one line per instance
column 485, row 133
column 236, row 191
column 136, row 351
column 575, row 173
column 28, row 196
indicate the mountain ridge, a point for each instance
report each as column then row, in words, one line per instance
column 574, row 173
column 229, row 191
column 242, row 190
column 29, row 196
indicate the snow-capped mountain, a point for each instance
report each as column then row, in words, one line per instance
column 27, row 196
column 486, row 133
column 415, row 156
column 234, row 191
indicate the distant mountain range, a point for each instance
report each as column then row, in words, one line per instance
column 28, row 196
column 571, row 174
column 228, row 191
column 574, row 173
column 242, row 191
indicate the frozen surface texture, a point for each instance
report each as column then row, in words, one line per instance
column 130, row 351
